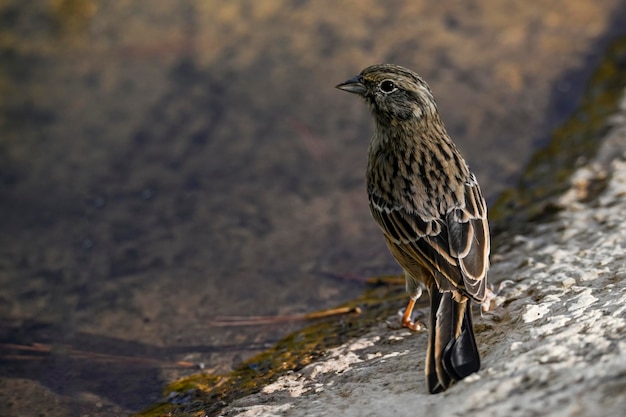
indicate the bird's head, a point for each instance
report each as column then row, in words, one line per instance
column 394, row 94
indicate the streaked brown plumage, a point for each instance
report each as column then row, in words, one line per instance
column 433, row 216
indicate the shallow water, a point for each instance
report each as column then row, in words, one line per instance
column 164, row 163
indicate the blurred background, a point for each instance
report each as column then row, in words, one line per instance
column 163, row 163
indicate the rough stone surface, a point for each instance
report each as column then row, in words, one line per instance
column 552, row 344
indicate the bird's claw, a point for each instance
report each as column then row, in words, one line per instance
column 416, row 326
column 407, row 321
column 491, row 293
column 485, row 305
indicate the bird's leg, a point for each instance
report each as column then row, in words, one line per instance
column 407, row 319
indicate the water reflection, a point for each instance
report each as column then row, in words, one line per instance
column 162, row 163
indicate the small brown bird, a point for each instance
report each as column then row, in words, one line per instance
column 433, row 216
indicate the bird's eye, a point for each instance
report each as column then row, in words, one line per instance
column 387, row 86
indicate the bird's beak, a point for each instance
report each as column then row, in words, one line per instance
column 353, row 85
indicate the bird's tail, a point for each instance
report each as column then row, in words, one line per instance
column 452, row 351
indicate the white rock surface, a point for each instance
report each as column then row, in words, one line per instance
column 554, row 343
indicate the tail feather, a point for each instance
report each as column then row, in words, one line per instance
column 452, row 351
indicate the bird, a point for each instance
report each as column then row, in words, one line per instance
column 432, row 214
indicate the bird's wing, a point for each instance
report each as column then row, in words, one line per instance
column 468, row 239
column 456, row 244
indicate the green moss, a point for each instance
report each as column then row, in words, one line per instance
column 205, row 394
